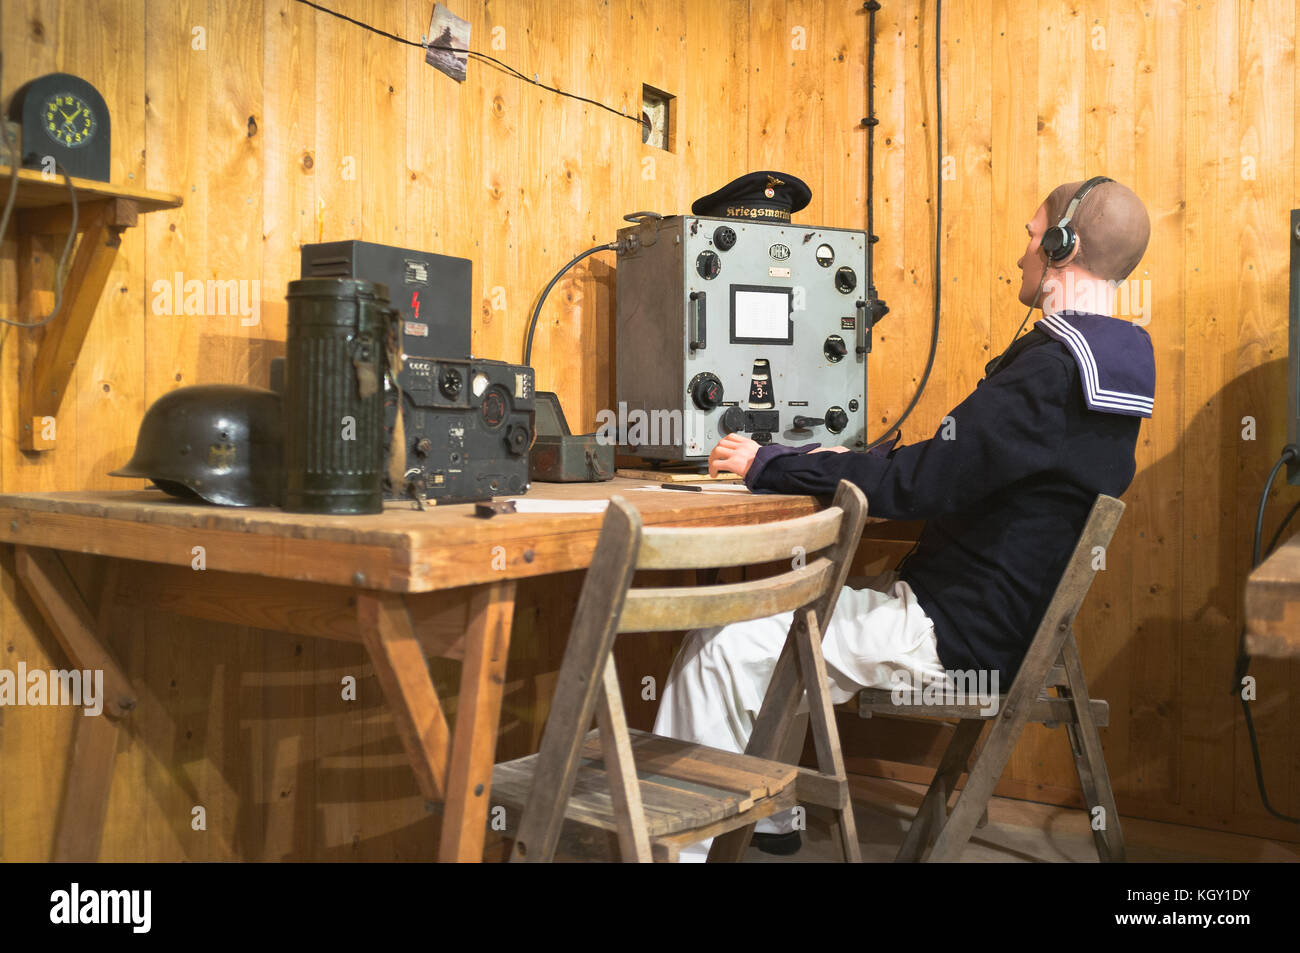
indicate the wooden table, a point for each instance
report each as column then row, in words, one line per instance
column 406, row 584
column 1273, row 604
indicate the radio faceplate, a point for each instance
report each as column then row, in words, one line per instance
column 733, row 326
column 468, row 425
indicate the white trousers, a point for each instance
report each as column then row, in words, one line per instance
column 717, row 683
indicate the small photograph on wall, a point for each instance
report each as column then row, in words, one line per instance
column 447, row 32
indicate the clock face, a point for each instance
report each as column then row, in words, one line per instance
column 68, row 120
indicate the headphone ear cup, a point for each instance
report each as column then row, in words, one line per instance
column 1058, row 242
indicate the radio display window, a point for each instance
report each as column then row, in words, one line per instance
column 761, row 315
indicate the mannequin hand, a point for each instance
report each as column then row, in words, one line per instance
column 734, row 454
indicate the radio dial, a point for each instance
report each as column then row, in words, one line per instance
column 836, row 419
column 449, row 382
column 835, row 349
column 708, row 265
column 846, row 279
column 706, row 391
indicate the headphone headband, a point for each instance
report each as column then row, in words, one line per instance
column 1059, row 239
column 1084, row 189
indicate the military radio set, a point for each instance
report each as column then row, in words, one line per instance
column 466, row 422
column 728, row 326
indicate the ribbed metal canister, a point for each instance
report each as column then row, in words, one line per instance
column 334, row 396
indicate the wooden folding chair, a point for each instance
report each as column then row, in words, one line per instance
column 646, row 796
column 1052, row 662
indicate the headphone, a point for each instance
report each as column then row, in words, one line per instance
column 1057, row 244
column 1060, row 239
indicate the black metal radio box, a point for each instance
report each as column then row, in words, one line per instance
column 468, row 424
column 430, row 292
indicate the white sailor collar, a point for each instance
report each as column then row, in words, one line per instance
column 1117, row 365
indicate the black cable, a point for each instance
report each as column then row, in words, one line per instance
column 994, row 364
column 1290, row 452
column 938, row 225
column 60, row 271
column 473, row 53
column 1272, row 543
column 537, row 311
column 871, row 7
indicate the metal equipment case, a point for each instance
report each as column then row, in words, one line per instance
column 736, row 326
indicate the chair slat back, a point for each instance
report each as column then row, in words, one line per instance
column 712, row 547
column 820, row 548
column 696, row 607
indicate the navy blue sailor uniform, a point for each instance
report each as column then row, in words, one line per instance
column 1006, row 495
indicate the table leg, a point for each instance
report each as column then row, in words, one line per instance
column 478, row 715
column 403, row 674
column 80, row 825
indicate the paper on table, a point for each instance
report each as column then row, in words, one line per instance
column 525, row 505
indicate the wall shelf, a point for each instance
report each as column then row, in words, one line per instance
column 42, row 215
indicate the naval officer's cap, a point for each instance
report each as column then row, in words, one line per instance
column 756, row 197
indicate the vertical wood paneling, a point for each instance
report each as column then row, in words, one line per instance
column 905, row 330
column 1109, row 36
column 252, row 726
column 1210, row 432
column 1147, row 683
column 1265, row 164
column 283, row 755
column 30, row 50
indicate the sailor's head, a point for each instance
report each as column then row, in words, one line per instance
column 1106, row 237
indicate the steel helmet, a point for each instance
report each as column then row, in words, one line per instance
column 215, row 442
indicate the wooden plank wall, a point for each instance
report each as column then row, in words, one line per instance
column 290, row 126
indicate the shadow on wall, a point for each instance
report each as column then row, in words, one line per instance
column 1187, row 745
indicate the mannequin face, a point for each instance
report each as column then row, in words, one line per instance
column 1033, row 262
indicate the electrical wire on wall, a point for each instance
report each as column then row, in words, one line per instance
column 60, row 272
column 871, row 8
column 474, row 53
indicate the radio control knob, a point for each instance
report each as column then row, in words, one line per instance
column 724, row 238
column 518, row 438
column 449, row 382
column 846, row 279
column 706, row 391
column 423, row 446
column 733, row 420
column 835, row 349
column 836, row 419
